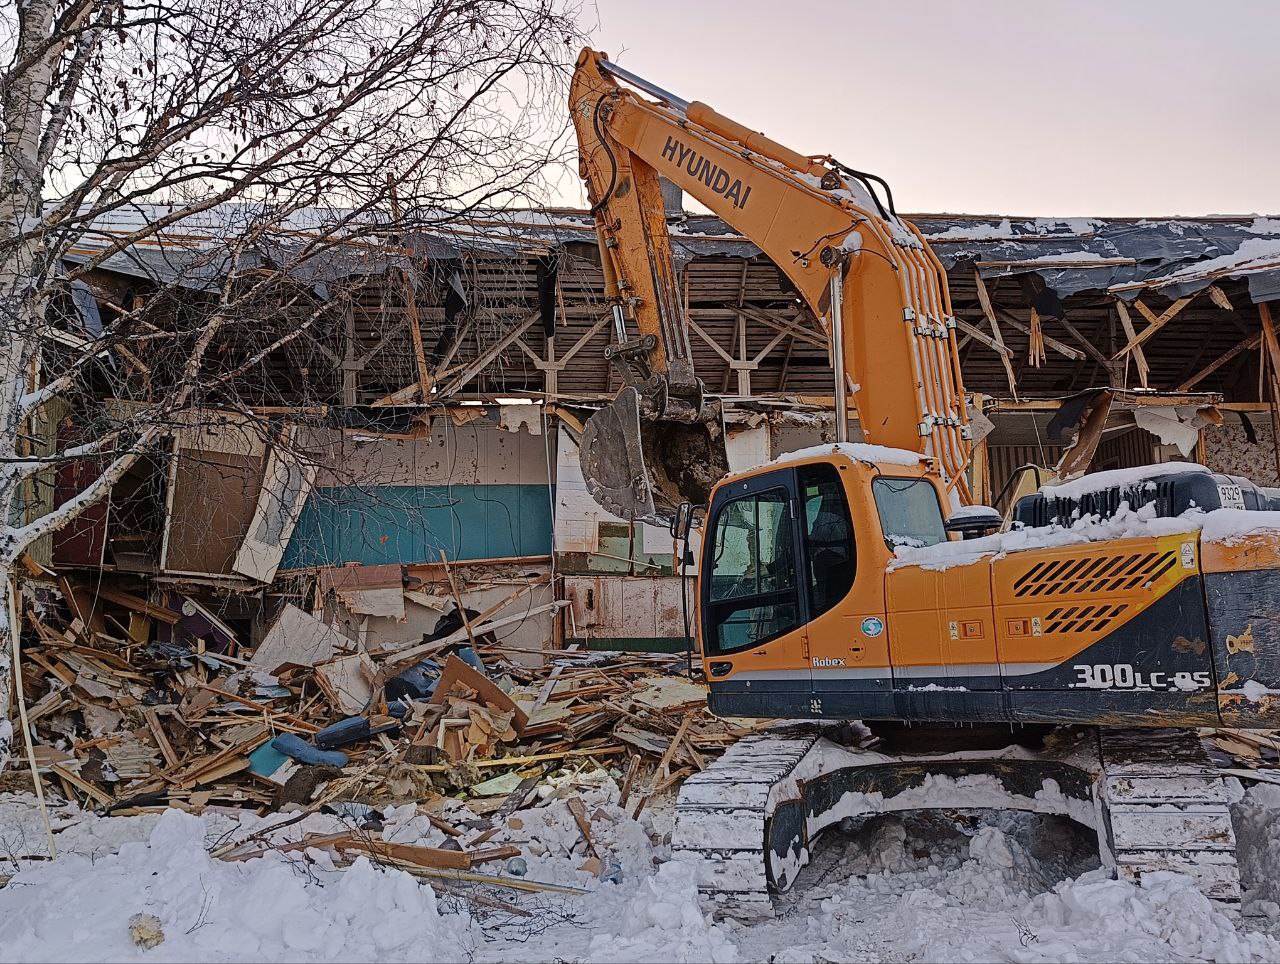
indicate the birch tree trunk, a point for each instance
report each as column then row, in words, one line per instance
column 21, row 304
column 6, row 669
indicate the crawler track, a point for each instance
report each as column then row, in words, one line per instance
column 1153, row 797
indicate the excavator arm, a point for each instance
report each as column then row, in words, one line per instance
column 868, row 275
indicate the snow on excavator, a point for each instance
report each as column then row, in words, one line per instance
column 834, row 585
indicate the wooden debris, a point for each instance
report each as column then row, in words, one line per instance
column 131, row 689
column 628, row 780
column 348, row 682
column 579, row 811
column 298, row 639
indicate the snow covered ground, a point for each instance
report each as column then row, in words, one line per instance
column 970, row 887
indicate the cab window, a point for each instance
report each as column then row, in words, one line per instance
column 829, row 542
column 752, row 594
column 910, row 514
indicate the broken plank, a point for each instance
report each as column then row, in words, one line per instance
column 1089, row 347
column 138, row 604
column 628, row 780
column 84, row 786
column 517, row 761
column 984, row 298
column 1249, row 343
column 579, row 811
column 1127, row 323
column 406, row 658
column 457, row 672
column 420, row 856
column 457, row 597
column 979, row 335
column 162, row 741
column 665, row 762
column 1155, row 323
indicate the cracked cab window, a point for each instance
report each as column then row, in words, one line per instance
column 910, row 514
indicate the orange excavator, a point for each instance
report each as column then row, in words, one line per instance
column 855, row 581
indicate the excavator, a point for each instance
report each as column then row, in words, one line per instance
column 857, row 581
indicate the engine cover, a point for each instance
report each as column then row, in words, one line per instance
column 1172, row 492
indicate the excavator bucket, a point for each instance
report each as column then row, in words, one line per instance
column 641, row 467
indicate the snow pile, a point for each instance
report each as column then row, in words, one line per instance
column 946, row 886
column 981, row 908
column 857, row 451
column 1125, row 524
column 1220, row 525
column 270, row 908
column 1230, row 525
column 972, row 512
column 663, row 923
column 1257, row 826
column 1095, row 918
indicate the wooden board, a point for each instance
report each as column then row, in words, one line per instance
column 456, row 671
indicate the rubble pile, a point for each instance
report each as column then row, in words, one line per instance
column 139, row 704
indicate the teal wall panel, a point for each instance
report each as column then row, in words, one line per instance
column 405, row 524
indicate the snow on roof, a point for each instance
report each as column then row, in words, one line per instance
column 980, row 229
column 857, row 451
column 1253, row 254
column 1125, row 256
column 1116, row 478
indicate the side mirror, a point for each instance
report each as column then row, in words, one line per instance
column 972, row 521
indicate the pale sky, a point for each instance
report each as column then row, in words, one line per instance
column 1087, row 107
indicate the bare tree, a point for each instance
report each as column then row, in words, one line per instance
column 272, row 128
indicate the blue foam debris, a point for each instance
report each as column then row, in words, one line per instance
column 299, row 749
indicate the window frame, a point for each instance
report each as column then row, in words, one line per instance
column 753, row 488
column 917, row 479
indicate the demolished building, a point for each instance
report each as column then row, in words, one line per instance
column 405, row 480
column 507, row 332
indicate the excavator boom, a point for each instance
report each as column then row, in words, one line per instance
column 867, row 275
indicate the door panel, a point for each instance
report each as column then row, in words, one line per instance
column 915, row 626
column 848, row 645
column 753, row 610
column 969, row 642
column 940, row 627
